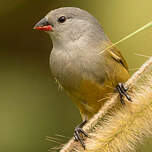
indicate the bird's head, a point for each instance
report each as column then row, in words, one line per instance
column 69, row 24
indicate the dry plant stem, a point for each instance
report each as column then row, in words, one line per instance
column 115, row 128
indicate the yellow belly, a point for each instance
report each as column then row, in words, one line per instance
column 91, row 95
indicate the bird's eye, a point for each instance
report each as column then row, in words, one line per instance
column 62, row 19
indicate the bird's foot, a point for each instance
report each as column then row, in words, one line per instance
column 79, row 133
column 123, row 92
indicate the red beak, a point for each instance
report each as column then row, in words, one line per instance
column 44, row 28
column 43, row 25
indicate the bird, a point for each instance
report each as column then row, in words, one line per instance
column 76, row 62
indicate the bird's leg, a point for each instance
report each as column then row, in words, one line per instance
column 123, row 92
column 79, row 132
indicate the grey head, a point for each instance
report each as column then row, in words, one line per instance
column 69, row 24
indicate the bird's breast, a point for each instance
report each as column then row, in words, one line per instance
column 71, row 68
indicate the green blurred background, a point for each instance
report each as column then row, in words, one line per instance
column 31, row 107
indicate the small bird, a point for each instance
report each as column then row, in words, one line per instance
column 87, row 76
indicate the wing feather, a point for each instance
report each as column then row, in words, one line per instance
column 116, row 55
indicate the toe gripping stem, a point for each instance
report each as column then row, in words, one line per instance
column 123, row 92
column 79, row 133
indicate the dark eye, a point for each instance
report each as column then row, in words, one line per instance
column 62, row 19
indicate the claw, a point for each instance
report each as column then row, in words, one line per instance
column 75, row 137
column 83, row 132
column 123, row 92
column 79, row 133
